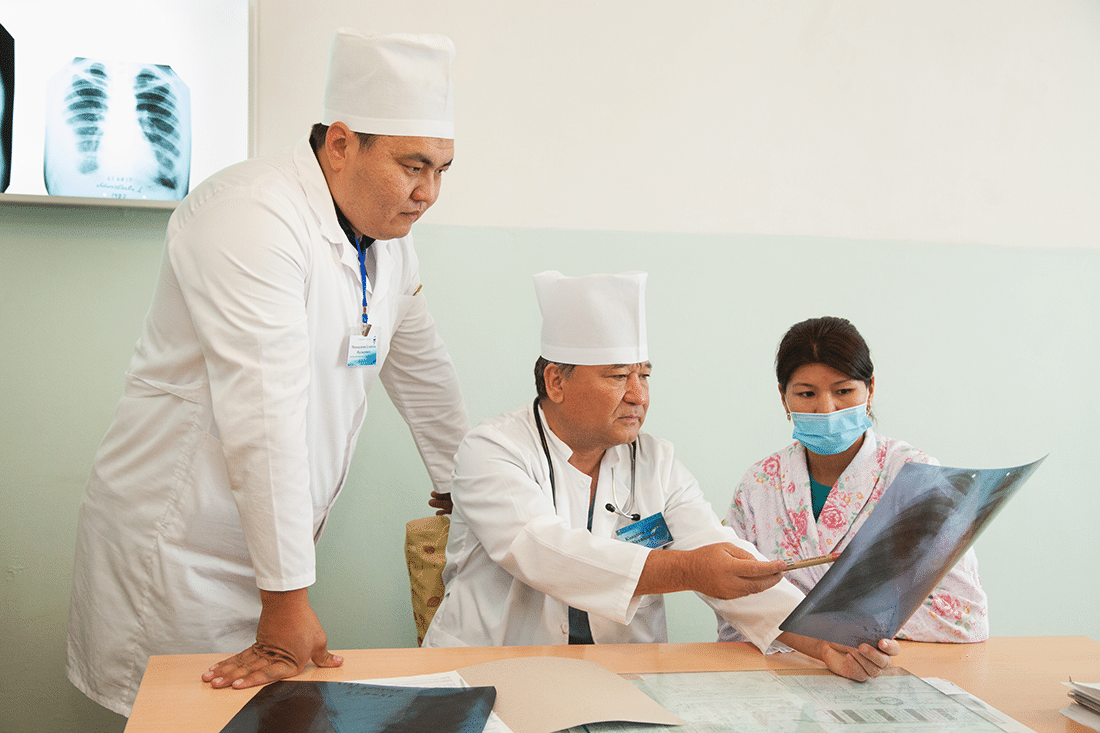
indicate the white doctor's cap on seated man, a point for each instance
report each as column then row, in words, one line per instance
column 387, row 128
column 517, row 562
column 592, row 376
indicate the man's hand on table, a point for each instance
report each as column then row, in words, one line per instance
column 287, row 638
column 859, row 664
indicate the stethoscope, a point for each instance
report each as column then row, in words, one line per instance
column 610, row 506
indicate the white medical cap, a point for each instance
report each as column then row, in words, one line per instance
column 390, row 85
column 593, row 320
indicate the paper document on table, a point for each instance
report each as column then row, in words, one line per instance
column 926, row 519
column 800, row 701
column 981, row 707
column 1085, row 708
column 444, row 679
column 545, row 694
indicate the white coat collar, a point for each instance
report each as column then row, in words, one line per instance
column 571, row 499
column 319, row 197
column 324, row 210
column 563, row 452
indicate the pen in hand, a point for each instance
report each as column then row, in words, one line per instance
column 810, row 562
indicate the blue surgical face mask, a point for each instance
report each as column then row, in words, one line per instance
column 829, row 433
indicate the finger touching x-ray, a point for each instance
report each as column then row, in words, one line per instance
column 117, row 130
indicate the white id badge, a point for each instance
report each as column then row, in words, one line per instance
column 362, row 350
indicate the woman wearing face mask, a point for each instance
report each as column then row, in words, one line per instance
column 810, row 498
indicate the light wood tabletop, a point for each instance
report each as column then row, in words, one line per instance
column 1020, row 676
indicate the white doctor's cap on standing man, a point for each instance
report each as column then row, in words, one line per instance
column 387, row 128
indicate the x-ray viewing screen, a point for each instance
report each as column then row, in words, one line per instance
column 130, row 99
column 119, row 130
column 926, row 519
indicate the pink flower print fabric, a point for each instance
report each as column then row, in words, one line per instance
column 771, row 508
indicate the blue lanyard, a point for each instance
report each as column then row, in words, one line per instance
column 363, row 275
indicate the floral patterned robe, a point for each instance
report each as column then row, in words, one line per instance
column 771, row 508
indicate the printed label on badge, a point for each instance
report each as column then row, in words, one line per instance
column 362, row 350
column 651, row 532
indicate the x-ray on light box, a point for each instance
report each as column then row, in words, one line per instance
column 124, row 101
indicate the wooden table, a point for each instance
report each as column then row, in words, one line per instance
column 1020, row 676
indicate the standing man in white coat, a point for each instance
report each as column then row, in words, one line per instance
column 288, row 287
column 569, row 523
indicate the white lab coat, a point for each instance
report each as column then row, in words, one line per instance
column 515, row 563
column 239, row 418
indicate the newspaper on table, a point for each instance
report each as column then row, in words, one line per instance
column 805, row 701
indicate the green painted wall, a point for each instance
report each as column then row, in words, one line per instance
column 983, row 357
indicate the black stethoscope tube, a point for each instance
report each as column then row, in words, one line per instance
column 550, row 463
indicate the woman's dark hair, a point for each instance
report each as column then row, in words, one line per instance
column 831, row 341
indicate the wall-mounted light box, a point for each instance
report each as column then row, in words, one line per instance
column 128, row 102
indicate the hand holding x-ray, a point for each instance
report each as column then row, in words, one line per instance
column 927, row 518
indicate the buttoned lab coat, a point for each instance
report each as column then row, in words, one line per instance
column 515, row 563
column 239, row 419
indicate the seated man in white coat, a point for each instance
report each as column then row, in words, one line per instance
column 548, row 544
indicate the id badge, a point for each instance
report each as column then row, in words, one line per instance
column 362, row 350
column 651, row 532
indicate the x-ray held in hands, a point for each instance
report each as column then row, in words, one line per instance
column 117, row 130
column 927, row 518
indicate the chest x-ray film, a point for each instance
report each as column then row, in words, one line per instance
column 119, row 130
column 7, row 108
column 125, row 103
column 328, row 707
column 927, row 518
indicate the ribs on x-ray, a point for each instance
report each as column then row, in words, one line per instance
column 926, row 519
column 117, row 130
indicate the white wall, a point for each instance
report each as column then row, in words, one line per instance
column 925, row 168
column 978, row 353
column 914, row 120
